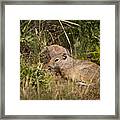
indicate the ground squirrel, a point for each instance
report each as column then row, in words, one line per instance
column 83, row 71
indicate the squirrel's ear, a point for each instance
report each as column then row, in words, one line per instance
column 64, row 56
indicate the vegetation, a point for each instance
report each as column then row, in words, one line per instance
column 80, row 37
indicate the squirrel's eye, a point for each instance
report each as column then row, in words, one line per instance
column 57, row 59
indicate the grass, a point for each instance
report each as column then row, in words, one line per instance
column 55, row 89
column 81, row 38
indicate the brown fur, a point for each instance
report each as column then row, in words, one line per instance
column 83, row 71
column 51, row 51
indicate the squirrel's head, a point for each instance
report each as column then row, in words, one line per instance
column 58, row 62
column 52, row 51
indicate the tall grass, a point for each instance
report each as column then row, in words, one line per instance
column 80, row 37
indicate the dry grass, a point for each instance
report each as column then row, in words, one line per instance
column 57, row 89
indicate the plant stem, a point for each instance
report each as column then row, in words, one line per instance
column 66, row 36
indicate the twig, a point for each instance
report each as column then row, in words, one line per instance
column 50, row 35
column 71, row 23
column 26, row 26
column 66, row 36
column 39, row 25
column 38, row 89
